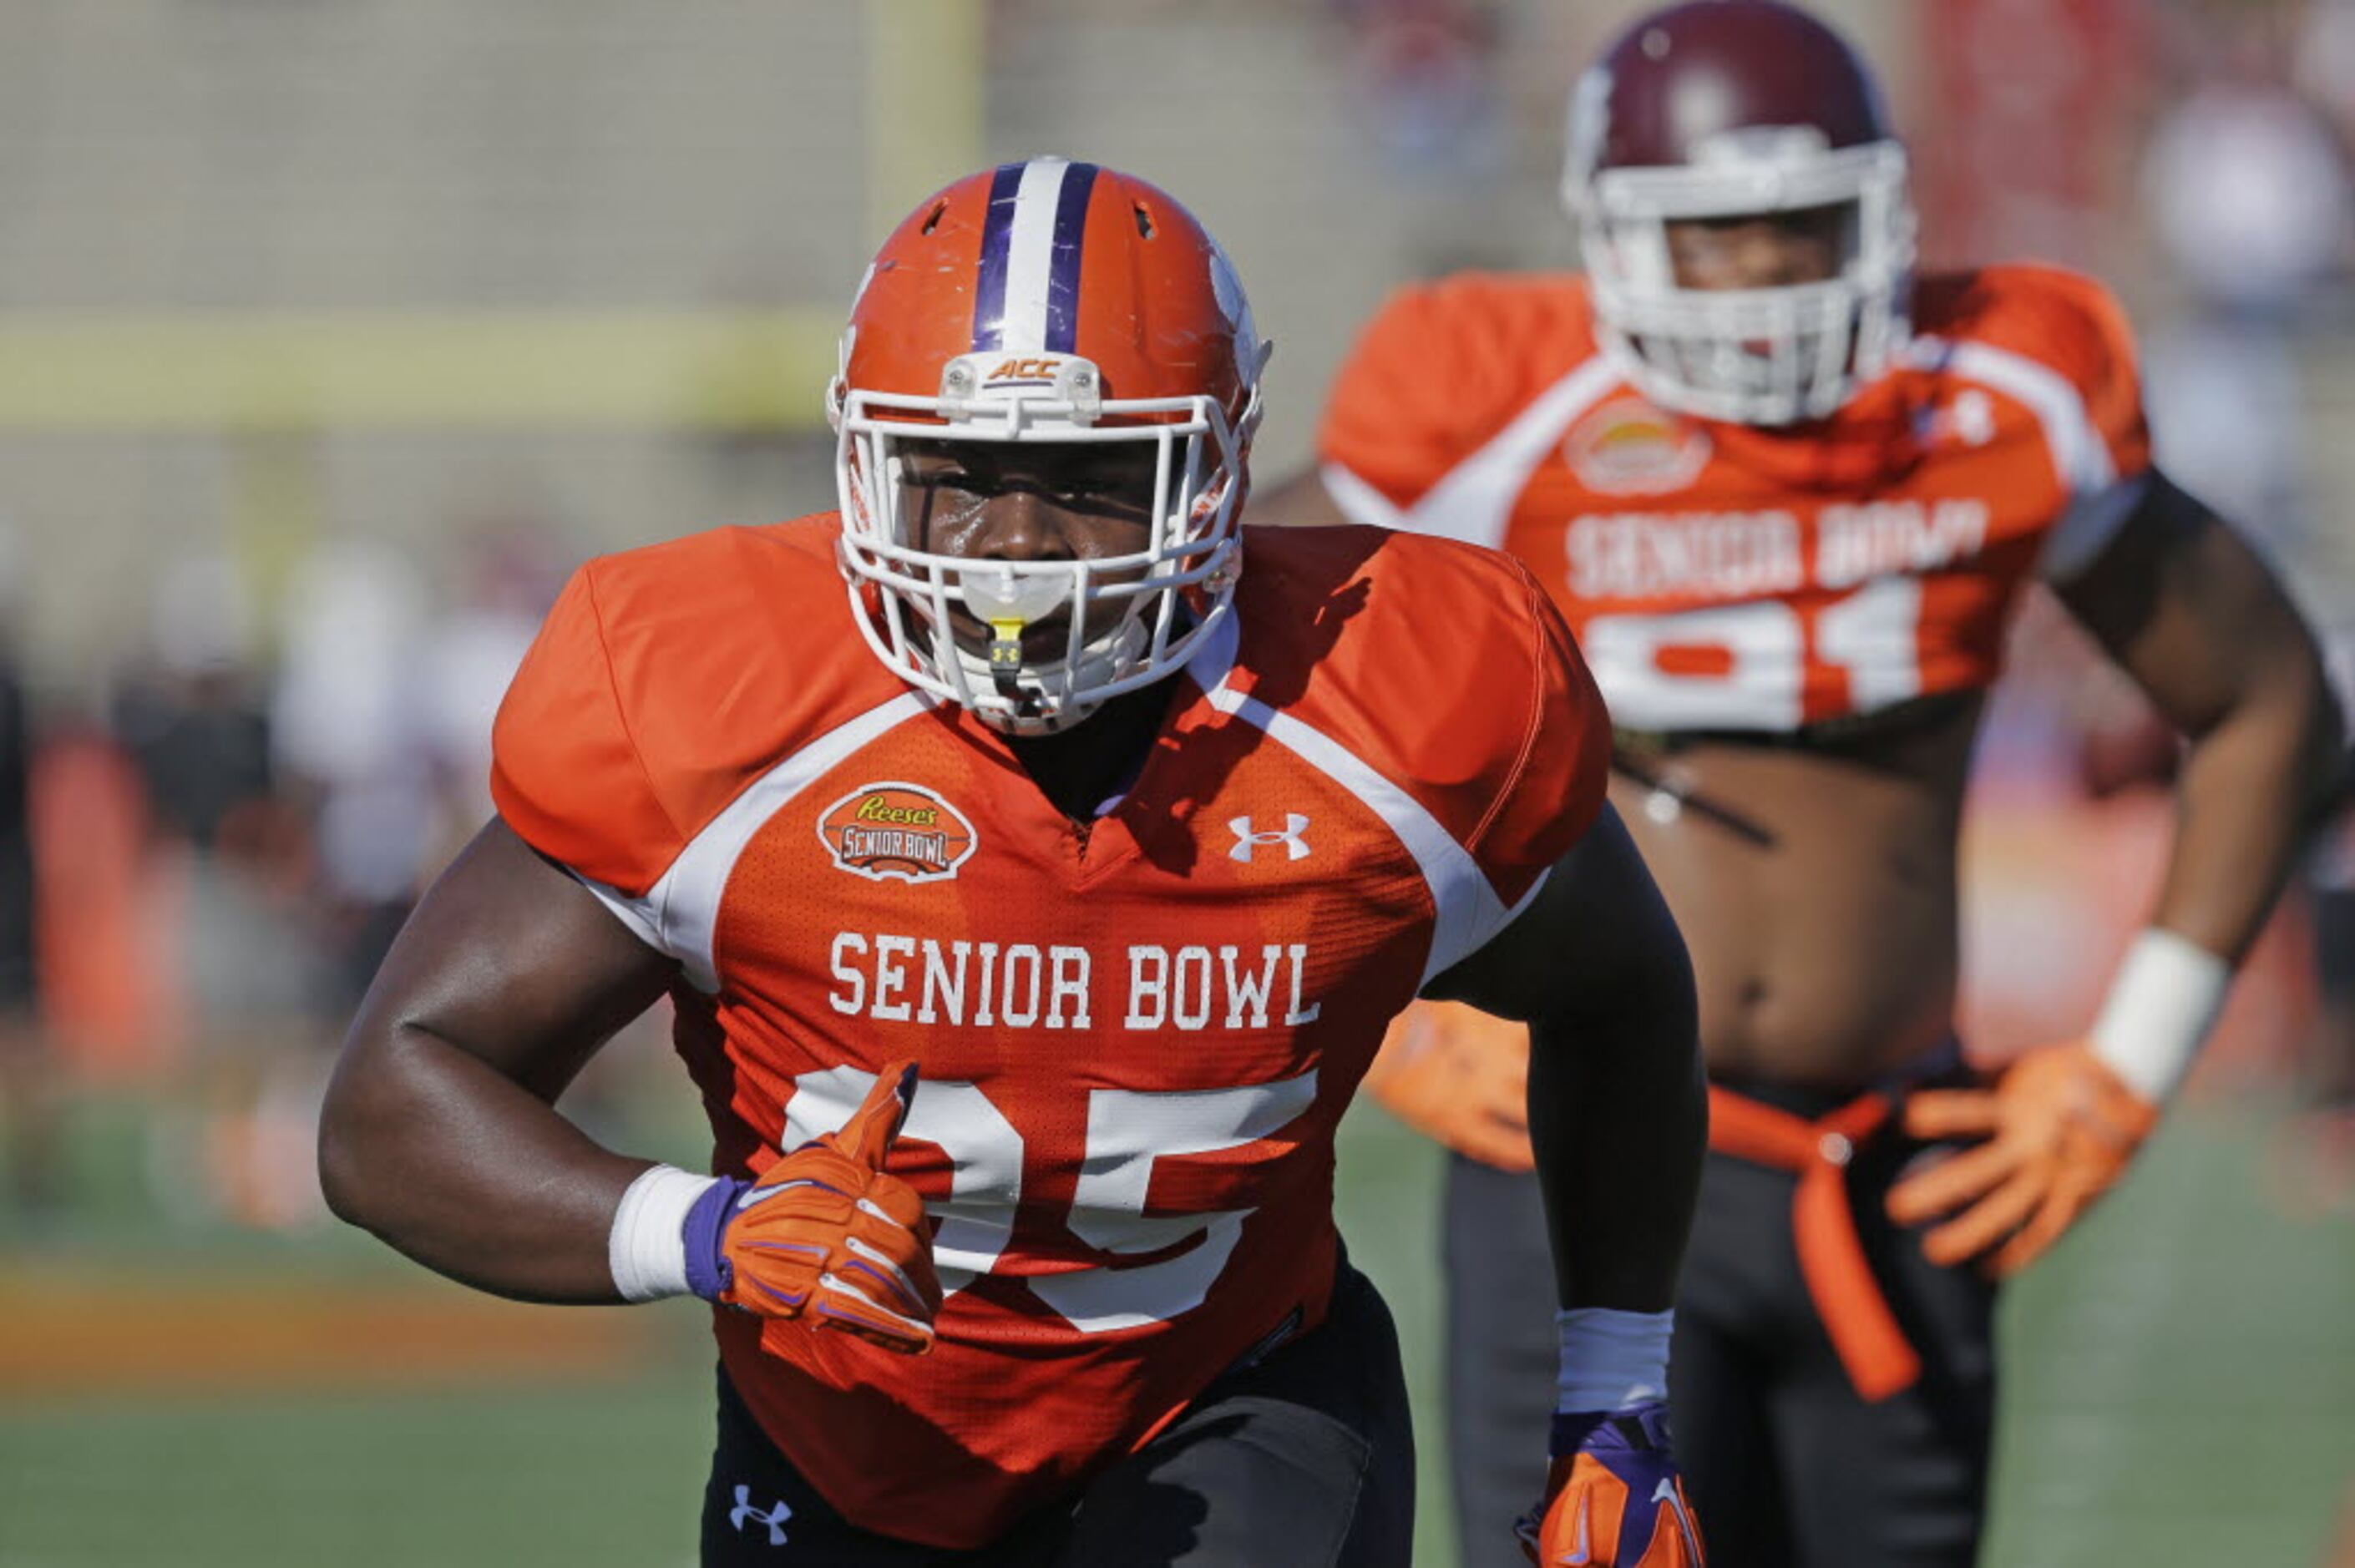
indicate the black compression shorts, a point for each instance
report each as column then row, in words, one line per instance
column 1306, row 1458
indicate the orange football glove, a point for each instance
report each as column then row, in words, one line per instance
column 827, row 1233
column 2057, row 1126
column 1455, row 1074
column 1617, row 1501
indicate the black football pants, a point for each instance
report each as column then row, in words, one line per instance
column 1306, row 1459
column 1788, row 1466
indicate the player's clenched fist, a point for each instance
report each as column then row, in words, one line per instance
column 2058, row 1124
column 826, row 1233
column 1614, row 1498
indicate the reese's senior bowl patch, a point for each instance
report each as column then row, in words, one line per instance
column 896, row 829
column 1628, row 446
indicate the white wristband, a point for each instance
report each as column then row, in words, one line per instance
column 647, row 1249
column 2163, row 1001
column 1611, row 1360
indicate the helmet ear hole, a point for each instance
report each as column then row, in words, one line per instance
column 1144, row 221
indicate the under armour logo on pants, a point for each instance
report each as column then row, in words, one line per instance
column 774, row 1518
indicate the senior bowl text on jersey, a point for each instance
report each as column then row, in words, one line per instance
column 1734, row 578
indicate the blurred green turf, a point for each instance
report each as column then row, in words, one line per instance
column 2182, row 1391
column 2181, row 1387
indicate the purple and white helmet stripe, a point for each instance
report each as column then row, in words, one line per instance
column 1063, row 260
column 1028, row 296
column 996, row 224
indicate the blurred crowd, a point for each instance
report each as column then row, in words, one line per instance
column 198, row 879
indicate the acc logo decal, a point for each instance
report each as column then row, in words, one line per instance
column 1629, row 448
column 880, row 830
column 1039, row 370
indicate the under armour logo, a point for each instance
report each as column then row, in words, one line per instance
column 774, row 1518
column 1247, row 841
column 1969, row 419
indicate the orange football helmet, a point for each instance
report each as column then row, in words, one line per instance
column 1048, row 301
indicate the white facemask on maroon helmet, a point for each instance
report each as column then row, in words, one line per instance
column 1727, row 108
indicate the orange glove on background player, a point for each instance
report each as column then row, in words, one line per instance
column 827, row 1233
column 1614, row 1498
column 2058, row 1126
column 1455, row 1074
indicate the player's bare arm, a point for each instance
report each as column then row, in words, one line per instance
column 2193, row 614
column 1617, row 1106
column 440, row 1132
column 2195, row 617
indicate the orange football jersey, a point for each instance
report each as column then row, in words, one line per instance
column 1724, row 577
column 1136, row 1034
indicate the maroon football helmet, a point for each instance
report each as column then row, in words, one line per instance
column 1725, row 108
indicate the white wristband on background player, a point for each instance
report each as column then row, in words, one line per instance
column 1611, row 1360
column 647, row 1247
column 2163, row 1001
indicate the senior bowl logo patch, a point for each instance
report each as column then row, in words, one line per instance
column 1629, row 448
column 880, row 830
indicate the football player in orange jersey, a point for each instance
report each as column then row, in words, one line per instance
column 1030, row 912
column 1788, row 493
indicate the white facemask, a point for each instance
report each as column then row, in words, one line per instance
column 1133, row 619
column 1761, row 356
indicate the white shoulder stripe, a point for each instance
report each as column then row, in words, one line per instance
column 2087, row 527
column 2080, row 456
column 637, row 913
column 679, row 913
column 1214, row 656
column 1475, row 502
column 1359, row 502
